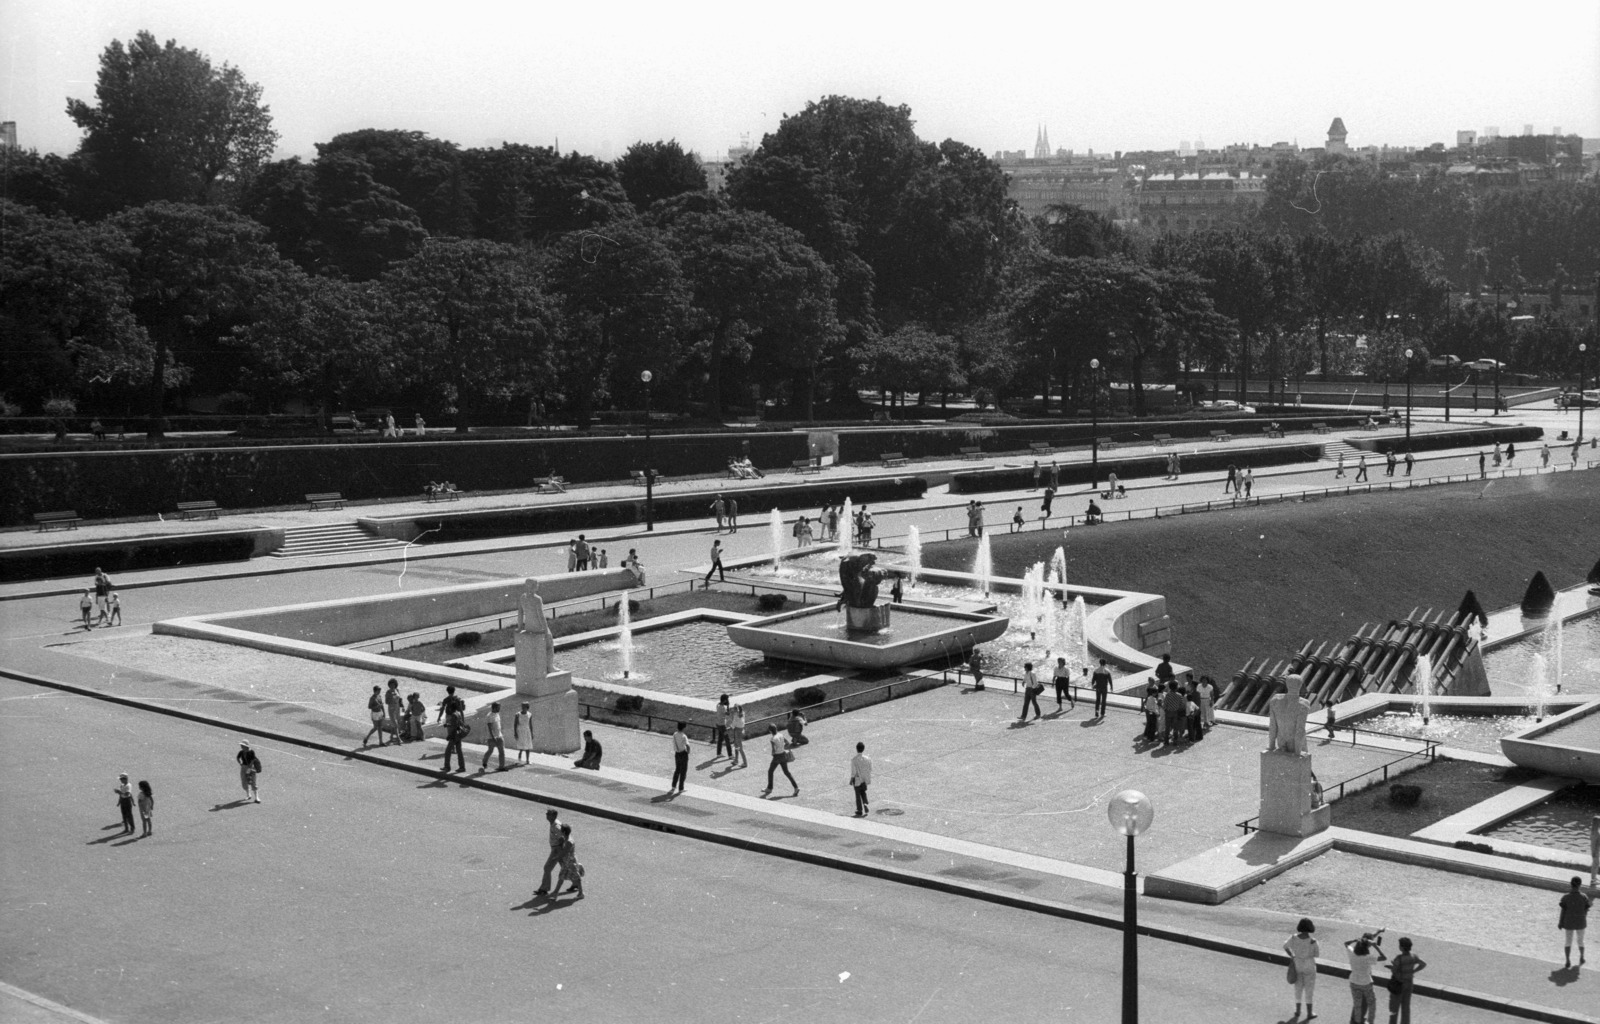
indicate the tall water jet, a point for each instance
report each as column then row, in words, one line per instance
column 847, row 528
column 983, row 565
column 1557, row 655
column 1424, row 685
column 1076, row 617
column 914, row 553
column 1032, row 597
column 1539, row 684
column 1058, row 569
column 1055, row 638
column 775, row 534
column 625, row 635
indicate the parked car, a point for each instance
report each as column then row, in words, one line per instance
column 1227, row 405
column 1572, row 399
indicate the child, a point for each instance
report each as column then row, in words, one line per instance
column 1017, row 521
column 116, row 610
column 147, row 807
column 85, row 606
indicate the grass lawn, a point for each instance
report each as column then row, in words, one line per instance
column 1257, row 582
column 1448, row 787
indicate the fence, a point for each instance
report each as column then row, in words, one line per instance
column 1429, row 751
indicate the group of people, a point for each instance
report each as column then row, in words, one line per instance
column 401, row 718
column 1174, row 466
column 1177, row 713
column 1061, row 679
column 146, row 801
column 743, row 469
column 99, row 604
column 1051, row 477
column 583, row 556
column 726, row 512
column 1364, row 954
column 387, row 427
column 1240, row 481
column 975, row 518
column 563, row 855
column 436, row 488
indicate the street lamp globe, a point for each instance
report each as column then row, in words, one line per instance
column 1094, row 364
column 1408, row 353
column 1130, row 812
column 646, row 376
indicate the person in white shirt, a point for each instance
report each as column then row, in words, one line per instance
column 1364, row 955
column 1303, row 950
column 496, row 740
column 736, row 756
column 781, row 756
column 860, row 777
column 680, row 759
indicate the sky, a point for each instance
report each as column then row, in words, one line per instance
column 598, row 77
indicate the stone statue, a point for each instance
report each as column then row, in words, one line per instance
column 530, row 620
column 1286, row 718
column 859, row 577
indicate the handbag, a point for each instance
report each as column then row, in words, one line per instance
column 1293, row 977
column 787, row 757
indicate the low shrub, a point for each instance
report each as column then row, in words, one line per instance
column 808, row 695
column 1467, row 844
column 633, row 607
column 467, row 638
column 772, row 602
column 1405, row 794
column 630, row 702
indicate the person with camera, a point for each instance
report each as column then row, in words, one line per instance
column 1365, row 953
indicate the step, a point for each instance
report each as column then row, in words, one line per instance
column 1331, row 450
column 331, row 538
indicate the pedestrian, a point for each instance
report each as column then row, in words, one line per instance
column 558, row 839
column 865, row 524
column 1544, row 454
column 1361, row 468
column 733, row 515
column 1177, row 466
column 680, row 759
column 1229, row 485
column 1208, row 695
column 1497, row 453
column 394, row 710
column 1036, row 472
column 571, row 870
column 736, row 756
column 833, row 522
column 975, row 663
column 1175, row 707
column 1338, row 471
column 416, row 715
column 572, row 555
column 1365, row 953
column 456, row 730
column 1191, row 696
column 377, row 714
column 605, row 560
column 1483, row 472
column 719, row 510
column 522, row 733
column 860, row 778
column 419, row 425
column 249, row 772
column 496, row 739
column 592, row 752
column 796, row 728
column 1511, row 452
column 781, row 756
column 1111, row 485
column 719, row 732
column 1574, row 917
column 1102, row 685
column 1044, row 507
column 1411, row 461
column 1303, row 952
column 1390, row 462
column 1575, row 446
column 147, row 808
column 124, row 793
column 716, row 563
column 1404, row 966
column 1151, row 705
column 1168, row 475
column 116, row 609
column 102, row 587
column 1055, row 475
column 1062, row 677
column 102, row 613
column 1031, row 688
column 1249, row 481
column 85, row 607
column 1017, row 520
column 897, row 591
column 583, row 553
column 1164, row 672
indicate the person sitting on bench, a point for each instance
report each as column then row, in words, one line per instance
column 1093, row 515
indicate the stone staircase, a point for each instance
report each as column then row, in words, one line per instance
column 299, row 541
column 1331, row 450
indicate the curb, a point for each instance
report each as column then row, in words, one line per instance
column 1261, row 954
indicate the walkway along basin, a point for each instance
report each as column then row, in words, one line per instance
column 818, row 636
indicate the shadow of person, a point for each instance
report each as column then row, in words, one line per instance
column 662, row 798
column 725, row 772
column 533, row 901
column 106, row 839
column 1563, row 976
column 1019, row 724
column 551, row 905
column 230, row 806
column 1090, row 723
column 703, row 765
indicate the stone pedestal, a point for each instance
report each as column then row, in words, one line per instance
column 867, row 620
column 1286, row 795
column 555, row 702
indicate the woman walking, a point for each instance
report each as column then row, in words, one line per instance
column 571, row 870
column 736, row 754
column 376, row 713
column 781, row 756
column 249, row 768
column 125, row 802
column 522, row 733
column 147, row 807
column 1303, row 952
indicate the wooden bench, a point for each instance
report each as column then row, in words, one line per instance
column 1369, row 424
column 64, row 520
column 1041, row 447
column 1221, row 435
column 972, row 453
column 893, row 459
column 327, row 499
column 442, row 494
column 637, row 477
column 551, row 485
column 1105, row 443
column 1321, row 428
column 1163, row 439
column 1269, row 432
column 197, row 509
column 805, row 466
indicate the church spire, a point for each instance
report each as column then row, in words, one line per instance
column 1041, row 143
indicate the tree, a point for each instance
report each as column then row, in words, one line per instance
column 169, row 125
column 425, row 174
column 64, row 307
column 1238, row 280
column 472, row 318
column 1068, row 230
column 532, row 193
column 193, row 269
column 1327, row 266
column 658, row 170
column 33, row 180
column 913, row 358
column 332, row 218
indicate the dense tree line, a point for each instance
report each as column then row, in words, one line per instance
column 170, row 254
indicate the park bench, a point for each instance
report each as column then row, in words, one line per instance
column 197, row 509
column 444, row 494
column 893, row 459
column 551, row 485
column 637, row 476
column 65, row 520
column 1221, row 435
column 972, row 453
column 805, row 466
column 1321, row 428
column 1270, row 432
column 1105, row 443
column 1163, row 439
column 326, row 499
column 1041, row 447
column 1369, row 424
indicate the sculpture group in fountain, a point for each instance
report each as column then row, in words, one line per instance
column 555, row 702
column 859, row 578
column 1288, row 787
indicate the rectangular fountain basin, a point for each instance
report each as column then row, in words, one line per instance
column 818, row 636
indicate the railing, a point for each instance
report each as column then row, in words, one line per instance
column 1076, row 691
column 1429, row 750
column 1277, row 497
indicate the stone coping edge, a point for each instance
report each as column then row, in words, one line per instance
column 1248, row 951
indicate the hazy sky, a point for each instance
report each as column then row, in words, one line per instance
column 600, row 76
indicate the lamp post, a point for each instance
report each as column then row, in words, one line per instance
column 1582, row 352
column 649, row 471
column 1130, row 813
column 1094, row 414
column 1408, row 395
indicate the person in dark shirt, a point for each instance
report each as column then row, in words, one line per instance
column 591, row 752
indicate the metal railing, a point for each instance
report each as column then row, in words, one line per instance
column 1429, row 751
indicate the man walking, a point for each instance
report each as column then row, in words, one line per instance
column 1411, row 460
column 1232, row 482
column 455, row 732
column 1102, row 686
column 1338, row 471
column 392, row 704
column 1389, row 463
column 718, row 510
column 1575, row 918
column 720, row 732
column 496, row 739
column 1062, row 677
column 716, row 563
column 733, row 515
column 1249, row 481
column 680, row 759
column 1175, row 707
column 1361, row 468
column 1031, row 688
column 583, row 554
column 1405, row 966
column 558, row 839
column 860, row 777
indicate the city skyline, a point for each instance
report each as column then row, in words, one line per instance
column 598, row 85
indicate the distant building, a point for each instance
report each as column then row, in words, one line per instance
column 1094, row 183
column 717, row 171
column 8, row 135
column 1185, row 203
column 1336, row 137
column 1466, row 139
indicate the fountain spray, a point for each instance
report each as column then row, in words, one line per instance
column 775, row 533
column 983, row 564
column 625, row 635
column 914, row 553
column 1424, row 685
column 847, row 528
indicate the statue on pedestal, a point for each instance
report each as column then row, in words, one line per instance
column 1286, row 718
column 554, row 701
column 1291, row 798
column 859, row 578
column 530, row 620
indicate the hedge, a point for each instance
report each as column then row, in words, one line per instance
column 122, row 556
column 106, row 484
column 986, row 480
column 754, row 505
column 1473, row 437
